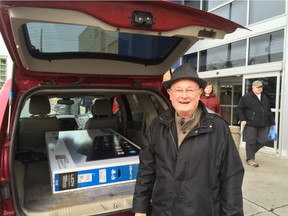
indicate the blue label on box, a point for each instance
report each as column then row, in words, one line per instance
column 95, row 177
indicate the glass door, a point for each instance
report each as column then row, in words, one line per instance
column 230, row 94
column 271, row 88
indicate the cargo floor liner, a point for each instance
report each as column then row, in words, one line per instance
column 38, row 195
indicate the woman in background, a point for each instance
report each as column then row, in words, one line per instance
column 210, row 100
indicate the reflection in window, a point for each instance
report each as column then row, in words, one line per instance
column 226, row 56
column 194, row 4
column 229, row 97
column 237, row 53
column 236, row 15
column 266, row 48
column 269, row 88
column 192, row 59
column 223, row 11
column 50, row 40
column 214, row 58
column 231, row 11
column 260, row 10
column 157, row 105
column 226, row 112
column 212, row 3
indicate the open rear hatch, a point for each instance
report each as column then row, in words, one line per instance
column 83, row 49
column 130, row 39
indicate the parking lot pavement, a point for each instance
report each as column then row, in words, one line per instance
column 265, row 189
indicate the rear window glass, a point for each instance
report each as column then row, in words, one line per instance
column 51, row 41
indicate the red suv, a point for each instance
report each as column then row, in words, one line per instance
column 86, row 83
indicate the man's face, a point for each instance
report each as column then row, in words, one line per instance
column 257, row 90
column 184, row 96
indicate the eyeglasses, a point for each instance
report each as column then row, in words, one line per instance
column 180, row 92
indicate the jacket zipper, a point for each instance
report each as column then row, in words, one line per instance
column 170, row 132
column 174, row 141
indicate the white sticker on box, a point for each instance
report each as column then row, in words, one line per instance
column 113, row 173
column 62, row 161
column 85, row 178
column 102, row 176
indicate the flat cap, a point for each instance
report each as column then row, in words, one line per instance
column 257, row 83
column 183, row 72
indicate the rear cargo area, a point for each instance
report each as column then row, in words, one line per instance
column 75, row 139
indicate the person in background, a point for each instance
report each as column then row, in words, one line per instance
column 189, row 164
column 210, row 100
column 255, row 115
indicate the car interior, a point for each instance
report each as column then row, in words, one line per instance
column 127, row 111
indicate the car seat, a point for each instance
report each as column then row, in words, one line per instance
column 32, row 129
column 103, row 116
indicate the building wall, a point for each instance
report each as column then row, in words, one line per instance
column 229, row 75
column 3, row 70
column 4, row 55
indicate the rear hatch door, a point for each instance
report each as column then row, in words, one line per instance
column 96, row 42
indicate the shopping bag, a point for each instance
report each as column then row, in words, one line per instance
column 272, row 135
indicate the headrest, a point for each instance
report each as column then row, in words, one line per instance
column 101, row 107
column 39, row 105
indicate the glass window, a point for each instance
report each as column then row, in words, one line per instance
column 237, row 52
column 229, row 97
column 157, row 105
column 178, row 1
column 192, row 3
column 261, row 9
column 212, row 3
column 203, row 61
column 236, row 15
column 266, row 48
column 192, row 59
column 269, row 88
column 226, row 56
column 231, row 11
column 226, row 112
column 66, row 106
column 3, row 70
column 214, row 58
column 223, row 11
column 136, row 109
column 56, row 41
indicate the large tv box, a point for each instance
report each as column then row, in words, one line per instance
column 83, row 159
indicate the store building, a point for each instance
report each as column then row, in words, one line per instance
column 234, row 63
column 3, row 70
column 5, row 63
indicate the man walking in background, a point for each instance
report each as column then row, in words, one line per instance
column 255, row 114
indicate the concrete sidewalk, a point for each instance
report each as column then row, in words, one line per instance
column 265, row 188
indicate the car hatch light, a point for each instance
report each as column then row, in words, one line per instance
column 142, row 19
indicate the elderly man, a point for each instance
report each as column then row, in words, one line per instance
column 254, row 112
column 189, row 164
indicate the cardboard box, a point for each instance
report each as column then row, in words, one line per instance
column 90, row 158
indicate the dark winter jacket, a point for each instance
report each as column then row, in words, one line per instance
column 255, row 112
column 201, row 178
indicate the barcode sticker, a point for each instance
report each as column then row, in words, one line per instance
column 102, row 176
column 85, row 178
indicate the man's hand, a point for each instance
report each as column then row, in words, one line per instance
column 140, row 214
